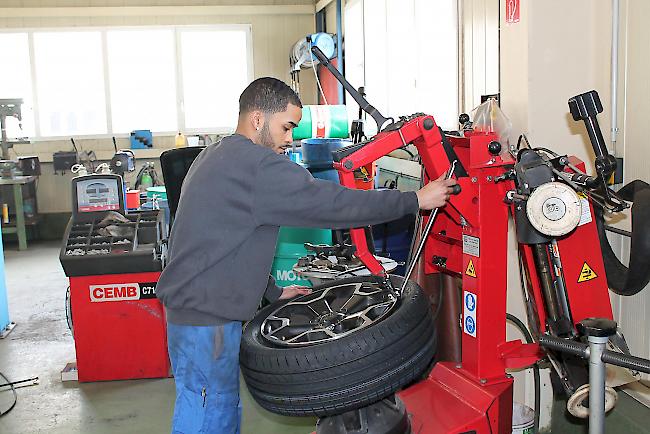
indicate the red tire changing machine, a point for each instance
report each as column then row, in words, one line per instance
column 469, row 239
column 113, row 260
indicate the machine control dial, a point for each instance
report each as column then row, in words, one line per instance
column 554, row 209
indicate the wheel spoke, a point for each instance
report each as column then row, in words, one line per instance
column 364, row 313
column 329, row 314
column 271, row 319
column 299, row 328
column 353, row 306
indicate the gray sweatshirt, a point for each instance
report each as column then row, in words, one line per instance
column 234, row 199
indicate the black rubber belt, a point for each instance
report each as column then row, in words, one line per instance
column 621, row 279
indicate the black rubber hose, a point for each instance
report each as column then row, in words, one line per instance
column 564, row 345
column 13, row 390
column 529, row 339
column 625, row 361
column 581, row 350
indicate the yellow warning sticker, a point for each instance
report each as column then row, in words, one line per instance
column 586, row 274
column 471, row 271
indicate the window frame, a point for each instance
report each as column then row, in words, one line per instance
column 177, row 53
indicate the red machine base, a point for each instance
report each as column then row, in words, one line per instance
column 450, row 402
column 119, row 327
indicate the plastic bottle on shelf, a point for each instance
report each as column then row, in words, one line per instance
column 146, row 182
column 181, row 142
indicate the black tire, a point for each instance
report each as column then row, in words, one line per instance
column 351, row 372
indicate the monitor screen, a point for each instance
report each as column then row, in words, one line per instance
column 98, row 195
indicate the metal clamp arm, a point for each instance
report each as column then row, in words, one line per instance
column 363, row 103
column 418, row 129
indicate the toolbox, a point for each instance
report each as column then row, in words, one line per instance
column 30, row 165
column 141, row 139
column 64, row 160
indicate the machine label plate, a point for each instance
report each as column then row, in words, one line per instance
column 470, row 305
column 471, row 245
column 585, row 215
column 122, row 291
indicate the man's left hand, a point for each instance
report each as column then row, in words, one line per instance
column 293, row 291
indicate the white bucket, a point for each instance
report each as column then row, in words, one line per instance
column 523, row 419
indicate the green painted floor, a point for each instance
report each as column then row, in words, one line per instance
column 42, row 344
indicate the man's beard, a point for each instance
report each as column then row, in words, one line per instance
column 265, row 136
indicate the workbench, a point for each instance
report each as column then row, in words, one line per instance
column 19, row 229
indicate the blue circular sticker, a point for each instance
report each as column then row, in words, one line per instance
column 470, row 326
column 470, row 302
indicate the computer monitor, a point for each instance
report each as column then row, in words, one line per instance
column 93, row 195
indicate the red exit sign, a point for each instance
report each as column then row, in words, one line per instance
column 512, row 11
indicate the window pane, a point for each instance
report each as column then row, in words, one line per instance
column 70, row 83
column 353, row 51
column 437, row 85
column 375, row 64
column 215, row 72
column 401, row 57
column 15, row 81
column 142, row 75
column 398, row 80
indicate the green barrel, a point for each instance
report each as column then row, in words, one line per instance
column 290, row 248
column 327, row 121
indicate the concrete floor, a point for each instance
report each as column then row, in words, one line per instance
column 628, row 417
column 41, row 345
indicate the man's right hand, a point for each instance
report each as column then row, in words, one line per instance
column 436, row 193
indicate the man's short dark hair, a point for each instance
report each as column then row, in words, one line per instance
column 268, row 95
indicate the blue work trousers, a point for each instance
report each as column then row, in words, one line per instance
column 205, row 361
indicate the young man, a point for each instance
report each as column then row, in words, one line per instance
column 234, row 199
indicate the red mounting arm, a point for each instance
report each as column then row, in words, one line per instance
column 421, row 130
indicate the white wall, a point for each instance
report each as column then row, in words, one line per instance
column 479, row 51
column 276, row 26
column 633, row 313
